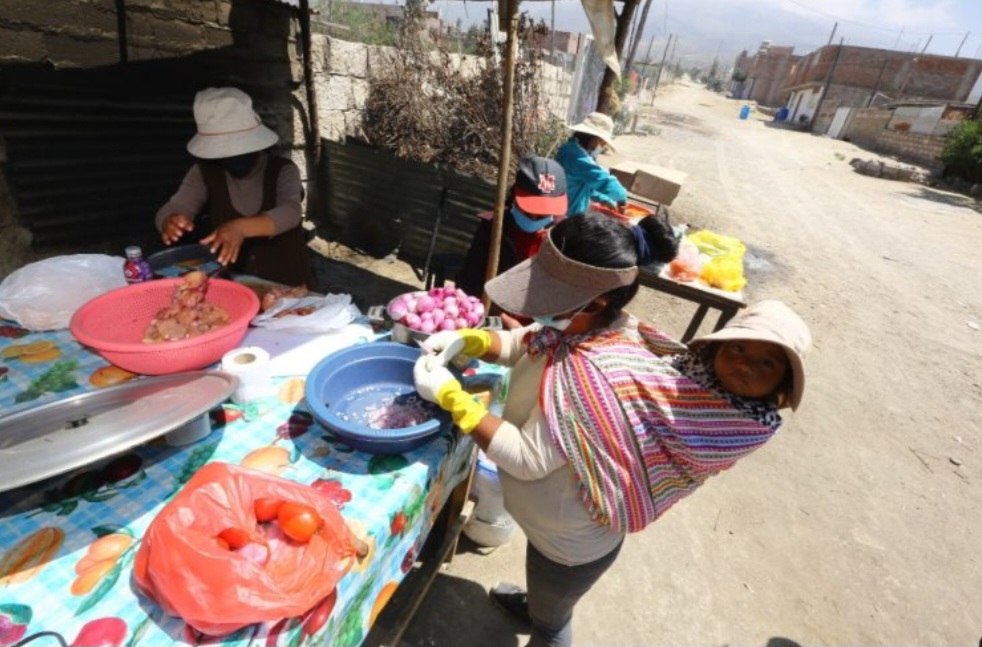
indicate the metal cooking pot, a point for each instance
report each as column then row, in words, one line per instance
column 379, row 316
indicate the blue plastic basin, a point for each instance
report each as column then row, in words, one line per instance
column 347, row 383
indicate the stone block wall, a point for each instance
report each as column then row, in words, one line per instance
column 920, row 149
column 343, row 71
column 867, row 124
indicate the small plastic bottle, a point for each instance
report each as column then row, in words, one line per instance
column 136, row 269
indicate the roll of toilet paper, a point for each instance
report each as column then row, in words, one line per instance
column 251, row 365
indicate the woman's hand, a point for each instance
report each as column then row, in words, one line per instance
column 174, row 227
column 226, row 241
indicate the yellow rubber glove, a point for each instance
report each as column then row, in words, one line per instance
column 464, row 409
column 436, row 384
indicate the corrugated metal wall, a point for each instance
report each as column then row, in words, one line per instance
column 381, row 204
column 88, row 170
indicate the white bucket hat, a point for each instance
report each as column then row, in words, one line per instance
column 599, row 125
column 227, row 125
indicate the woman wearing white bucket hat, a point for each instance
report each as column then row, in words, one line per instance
column 607, row 422
column 253, row 198
column 586, row 179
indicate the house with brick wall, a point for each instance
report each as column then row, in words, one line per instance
column 765, row 74
column 846, row 76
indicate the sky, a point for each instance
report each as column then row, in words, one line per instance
column 707, row 28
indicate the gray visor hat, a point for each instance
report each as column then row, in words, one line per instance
column 552, row 284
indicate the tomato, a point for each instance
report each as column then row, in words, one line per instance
column 236, row 538
column 299, row 521
column 266, row 508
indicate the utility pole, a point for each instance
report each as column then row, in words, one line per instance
column 899, row 36
column 832, row 35
column 637, row 37
column 661, row 65
column 927, row 43
column 962, row 44
column 552, row 34
column 828, row 78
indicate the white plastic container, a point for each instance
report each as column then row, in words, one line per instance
column 490, row 525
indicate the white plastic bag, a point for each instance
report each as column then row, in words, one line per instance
column 45, row 294
column 309, row 315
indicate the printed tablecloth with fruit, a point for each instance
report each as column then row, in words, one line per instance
column 68, row 543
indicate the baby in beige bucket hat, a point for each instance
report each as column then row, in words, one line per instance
column 760, row 353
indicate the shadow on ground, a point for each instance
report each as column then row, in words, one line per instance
column 454, row 611
column 366, row 287
column 946, row 196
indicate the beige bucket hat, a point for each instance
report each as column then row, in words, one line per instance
column 599, row 125
column 549, row 283
column 227, row 125
column 771, row 321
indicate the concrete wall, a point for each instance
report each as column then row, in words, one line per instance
column 871, row 128
column 343, row 72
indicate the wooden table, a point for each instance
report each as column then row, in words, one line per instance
column 728, row 303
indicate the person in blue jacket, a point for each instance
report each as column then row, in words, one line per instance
column 586, row 180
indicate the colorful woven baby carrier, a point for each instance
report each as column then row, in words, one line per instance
column 639, row 433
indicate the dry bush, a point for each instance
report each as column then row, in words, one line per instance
column 429, row 106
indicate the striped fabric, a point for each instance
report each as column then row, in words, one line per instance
column 639, row 434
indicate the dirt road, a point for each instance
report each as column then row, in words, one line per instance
column 861, row 522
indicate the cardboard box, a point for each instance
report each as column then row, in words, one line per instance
column 650, row 182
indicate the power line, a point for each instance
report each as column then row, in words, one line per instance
column 862, row 24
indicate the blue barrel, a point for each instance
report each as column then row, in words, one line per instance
column 782, row 114
column 744, row 112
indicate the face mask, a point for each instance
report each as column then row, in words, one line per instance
column 529, row 225
column 596, row 152
column 550, row 321
column 240, row 165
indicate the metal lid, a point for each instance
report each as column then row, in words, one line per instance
column 59, row 436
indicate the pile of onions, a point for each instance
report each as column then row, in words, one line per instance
column 436, row 310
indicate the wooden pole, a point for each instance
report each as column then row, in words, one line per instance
column 508, row 19
column 313, row 117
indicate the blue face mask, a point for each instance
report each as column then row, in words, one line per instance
column 529, row 225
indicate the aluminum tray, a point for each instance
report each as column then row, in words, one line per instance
column 59, row 436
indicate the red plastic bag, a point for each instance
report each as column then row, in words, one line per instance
column 183, row 567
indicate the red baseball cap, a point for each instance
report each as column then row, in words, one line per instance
column 540, row 186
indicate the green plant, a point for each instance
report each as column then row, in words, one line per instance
column 962, row 152
column 739, row 76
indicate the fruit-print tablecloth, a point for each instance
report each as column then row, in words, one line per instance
column 67, row 544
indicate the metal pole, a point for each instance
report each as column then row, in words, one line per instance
column 510, row 22
column 927, row 43
column 832, row 35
